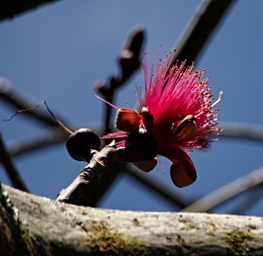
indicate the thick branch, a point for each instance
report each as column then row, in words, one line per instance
column 61, row 229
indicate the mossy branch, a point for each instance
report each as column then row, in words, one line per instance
column 52, row 228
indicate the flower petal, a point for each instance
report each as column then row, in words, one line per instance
column 127, row 120
column 146, row 166
column 182, row 171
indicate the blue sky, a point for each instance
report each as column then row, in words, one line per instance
column 59, row 51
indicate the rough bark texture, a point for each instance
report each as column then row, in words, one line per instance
column 32, row 225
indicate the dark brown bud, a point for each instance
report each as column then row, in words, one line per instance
column 80, row 143
column 135, row 42
column 141, row 146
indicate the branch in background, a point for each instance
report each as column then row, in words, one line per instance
column 12, row 8
column 242, row 131
column 9, row 166
column 253, row 196
column 174, row 199
column 55, row 136
column 223, row 194
column 209, row 14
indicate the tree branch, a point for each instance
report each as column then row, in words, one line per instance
column 253, row 179
column 52, row 228
column 195, row 37
column 13, row 8
column 242, row 131
column 9, row 96
column 129, row 62
column 10, row 168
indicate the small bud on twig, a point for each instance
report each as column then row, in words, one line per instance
column 80, row 143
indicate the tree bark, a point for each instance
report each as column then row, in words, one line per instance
column 32, row 225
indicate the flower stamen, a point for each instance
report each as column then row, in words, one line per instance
column 218, row 99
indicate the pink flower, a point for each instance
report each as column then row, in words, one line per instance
column 177, row 110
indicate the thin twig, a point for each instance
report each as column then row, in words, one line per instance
column 10, row 168
column 18, row 102
column 227, row 192
column 129, row 62
column 195, row 37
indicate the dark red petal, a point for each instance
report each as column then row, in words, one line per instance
column 127, row 120
column 146, row 166
column 182, row 171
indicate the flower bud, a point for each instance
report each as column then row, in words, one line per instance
column 80, row 143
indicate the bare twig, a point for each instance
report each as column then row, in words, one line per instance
column 227, row 192
column 9, row 166
column 16, row 7
column 209, row 14
column 17, row 101
column 129, row 62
